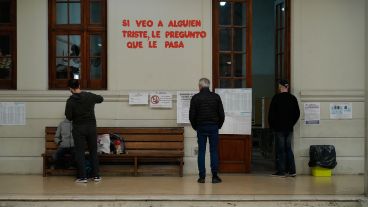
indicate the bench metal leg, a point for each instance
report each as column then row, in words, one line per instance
column 135, row 166
column 181, row 168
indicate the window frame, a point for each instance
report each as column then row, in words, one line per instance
column 11, row 30
column 216, row 27
column 84, row 29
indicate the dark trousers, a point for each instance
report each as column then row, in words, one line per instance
column 210, row 131
column 285, row 162
column 81, row 135
column 59, row 157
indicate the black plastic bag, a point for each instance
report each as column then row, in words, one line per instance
column 322, row 156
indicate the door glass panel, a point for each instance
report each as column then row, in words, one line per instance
column 239, row 14
column 224, row 13
column 5, row 12
column 225, row 83
column 225, row 40
column 239, row 65
column 95, row 12
column 75, row 53
column 239, row 39
column 239, row 83
column 61, row 68
column 5, row 57
column 95, row 42
column 61, row 45
column 225, row 65
column 95, row 68
column 74, row 13
column 61, row 13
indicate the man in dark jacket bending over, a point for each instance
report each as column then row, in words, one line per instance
column 80, row 108
column 206, row 114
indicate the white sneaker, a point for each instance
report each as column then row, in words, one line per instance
column 97, row 179
column 81, row 180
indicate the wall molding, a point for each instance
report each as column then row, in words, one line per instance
column 332, row 95
column 62, row 96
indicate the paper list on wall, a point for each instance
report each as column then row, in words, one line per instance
column 12, row 113
column 183, row 105
column 238, row 110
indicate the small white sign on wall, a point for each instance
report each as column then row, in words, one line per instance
column 312, row 113
column 161, row 99
column 138, row 98
column 183, row 105
column 341, row 110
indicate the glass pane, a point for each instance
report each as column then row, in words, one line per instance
column 61, row 45
column 239, row 83
column 282, row 40
column 5, row 12
column 225, row 40
column 225, row 13
column 239, row 14
column 239, row 39
column 225, row 65
column 74, row 65
column 74, row 45
column 5, row 57
column 95, row 12
column 225, row 83
column 282, row 13
column 61, row 13
column 95, row 69
column 239, row 65
column 95, row 42
column 61, row 68
column 74, row 13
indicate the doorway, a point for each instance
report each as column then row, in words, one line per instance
column 251, row 49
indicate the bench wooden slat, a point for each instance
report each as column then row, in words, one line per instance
column 151, row 138
column 153, row 145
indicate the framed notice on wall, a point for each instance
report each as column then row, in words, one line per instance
column 12, row 113
column 238, row 110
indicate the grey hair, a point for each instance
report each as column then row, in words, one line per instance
column 204, row 82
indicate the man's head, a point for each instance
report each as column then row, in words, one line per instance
column 283, row 86
column 74, row 85
column 203, row 83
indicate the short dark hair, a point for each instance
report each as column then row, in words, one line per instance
column 284, row 83
column 73, row 83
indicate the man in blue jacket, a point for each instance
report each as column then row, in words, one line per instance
column 206, row 114
column 80, row 108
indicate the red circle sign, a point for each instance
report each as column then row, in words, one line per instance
column 155, row 99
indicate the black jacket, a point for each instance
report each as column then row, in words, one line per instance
column 284, row 112
column 206, row 108
column 80, row 108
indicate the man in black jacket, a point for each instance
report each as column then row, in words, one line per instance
column 283, row 114
column 80, row 108
column 206, row 114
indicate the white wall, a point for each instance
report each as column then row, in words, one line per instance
column 366, row 101
column 128, row 69
column 328, row 64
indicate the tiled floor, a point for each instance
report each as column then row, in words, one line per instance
column 237, row 186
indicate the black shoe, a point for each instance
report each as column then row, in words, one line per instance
column 279, row 174
column 216, row 179
column 201, row 180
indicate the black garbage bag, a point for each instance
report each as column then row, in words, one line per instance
column 322, row 156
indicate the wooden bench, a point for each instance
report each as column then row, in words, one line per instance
column 149, row 150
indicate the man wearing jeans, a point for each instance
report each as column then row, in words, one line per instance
column 206, row 114
column 283, row 114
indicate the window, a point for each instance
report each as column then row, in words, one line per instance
column 8, row 54
column 231, row 44
column 77, row 43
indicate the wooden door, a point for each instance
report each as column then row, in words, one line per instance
column 232, row 35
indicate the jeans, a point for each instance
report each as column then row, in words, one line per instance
column 81, row 135
column 210, row 131
column 58, row 157
column 285, row 162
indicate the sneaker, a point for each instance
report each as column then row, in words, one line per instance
column 201, row 180
column 96, row 179
column 81, row 180
column 216, row 179
column 291, row 174
column 279, row 174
